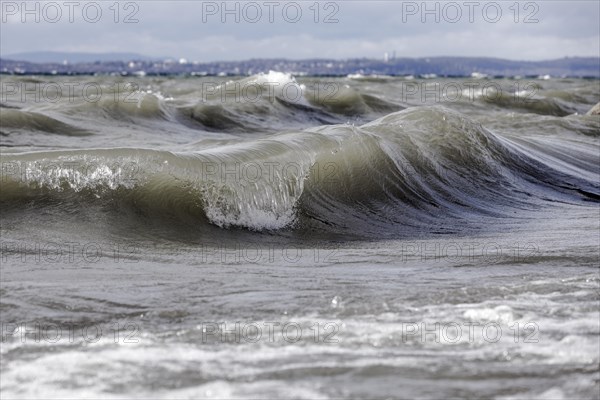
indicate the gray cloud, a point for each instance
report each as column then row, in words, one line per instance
column 195, row 30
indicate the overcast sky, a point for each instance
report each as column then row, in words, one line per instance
column 205, row 31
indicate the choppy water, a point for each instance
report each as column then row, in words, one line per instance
column 296, row 237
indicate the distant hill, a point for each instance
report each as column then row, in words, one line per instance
column 73, row 58
column 120, row 63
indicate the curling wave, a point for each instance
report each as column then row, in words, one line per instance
column 411, row 170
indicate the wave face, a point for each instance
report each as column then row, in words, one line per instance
column 418, row 170
column 366, row 156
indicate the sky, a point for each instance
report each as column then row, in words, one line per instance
column 215, row 30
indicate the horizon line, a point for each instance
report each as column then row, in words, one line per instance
column 184, row 60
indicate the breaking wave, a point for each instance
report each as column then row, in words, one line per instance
column 410, row 170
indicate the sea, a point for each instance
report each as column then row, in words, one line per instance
column 293, row 237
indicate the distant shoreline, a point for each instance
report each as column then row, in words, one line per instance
column 174, row 75
column 450, row 67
